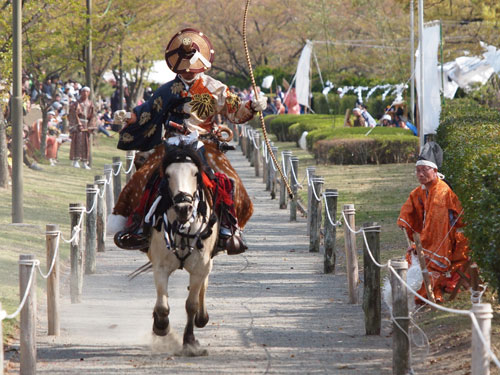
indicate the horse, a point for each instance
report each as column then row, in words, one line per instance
column 184, row 237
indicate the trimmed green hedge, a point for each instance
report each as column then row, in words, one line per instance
column 351, row 146
column 291, row 127
column 470, row 137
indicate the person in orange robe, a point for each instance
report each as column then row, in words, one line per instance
column 434, row 211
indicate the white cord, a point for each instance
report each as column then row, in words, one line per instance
column 119, row 164
column 33, row 263
column 53, row 262
column 338, row 223
column 94, row 204
column 315, row 179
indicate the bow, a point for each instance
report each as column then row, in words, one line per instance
column 262, row 124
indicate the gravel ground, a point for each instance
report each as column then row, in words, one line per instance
column 272, row 311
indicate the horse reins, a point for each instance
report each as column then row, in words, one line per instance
column 261, row 116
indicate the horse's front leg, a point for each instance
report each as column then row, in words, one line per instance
column 196, row 284
column 201, row 318
column 161, row 310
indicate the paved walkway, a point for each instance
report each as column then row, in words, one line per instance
column 272, row 311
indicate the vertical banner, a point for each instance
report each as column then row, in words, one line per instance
column 303, row 67
column 432, row 79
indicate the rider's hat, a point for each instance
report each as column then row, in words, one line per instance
column 189, row 51
column 431, row 155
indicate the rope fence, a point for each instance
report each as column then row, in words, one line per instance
column 28, row 264
column 480, row 314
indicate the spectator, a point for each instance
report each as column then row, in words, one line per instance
column 369, row 120
column 359, row 120
column 82, row 122
column 148, row 93
column 291, row 102
column 271, row 109
column 386, row 121
column 280, row 108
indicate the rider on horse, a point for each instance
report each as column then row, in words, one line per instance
column 186, row 107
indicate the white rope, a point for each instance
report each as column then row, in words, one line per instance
column 94, row 204
column 296, row 180
column 264, row 150
column 315, row 179
column 131, row 158
column 255, row 143
column 119, row 164
column 337, row 223
column 435, row 305
column 100, row 182
column 53, row 262
column 283, row 166
column 33, row 263
column 476, row 295
column 77, row 228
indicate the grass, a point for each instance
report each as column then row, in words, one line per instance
column 378, row 192
column 47, row 195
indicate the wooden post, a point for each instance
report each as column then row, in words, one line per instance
column 273, row 170
column 351, row 253
column 256, row 155
column 236, row 134
column 129, row 162
column 100, row 181
column 371, row 272
column 51, row 240
column 314, row 237
column 331, row 196
column 423, row 267
column 309, row 173
column 480, row 356
column 110, row 197
column 243, row 140
column 286, row 155
column 400, row 342
column 294, row 170
column 264, row 155
column 117, row 178
column 2, row 314
column 240, row 136
column 27, row 338
column 251, row 146
column 90, row 225
column 76, row 281
column 268, row 169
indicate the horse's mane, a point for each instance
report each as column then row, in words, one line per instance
column 182, row 153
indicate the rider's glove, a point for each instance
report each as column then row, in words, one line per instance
column 258, row 105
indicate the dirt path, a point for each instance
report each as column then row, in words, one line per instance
column 272, row 311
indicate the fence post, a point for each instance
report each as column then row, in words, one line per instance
column 117, row 180
column 480, row 356
column 400, row 342
column 286, row 156
column 272, row 172
column 243, row 141
column 256, row 154
column 236, row 134
column 90, row 226
column 76, row 282
column 314, row 237
column 371, row 272
column 309, row 173
column 1, row 341
column 128, row 163
column 331, row 196
column 110, row 197
column 351, row 254
column 28, row 315
column 294, row 183
column 51, row 240
column 100, row 181
column 264, row 162
column 268, row 169
column 250, row 147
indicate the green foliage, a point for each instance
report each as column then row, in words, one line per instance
column 470, row 137
column 290, row 127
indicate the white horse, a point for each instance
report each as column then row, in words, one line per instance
column 186, row 240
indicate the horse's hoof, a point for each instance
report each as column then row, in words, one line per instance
column 194, row 350
column 201, row 321
column 160, row 326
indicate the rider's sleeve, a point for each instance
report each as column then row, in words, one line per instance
column 146, row 132
column 236, row 110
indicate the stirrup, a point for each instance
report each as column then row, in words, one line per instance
column 235, row 244
column 131, row 241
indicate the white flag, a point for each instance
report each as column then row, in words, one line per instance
column 267, row 82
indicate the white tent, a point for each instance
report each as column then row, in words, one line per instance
column 159, row 73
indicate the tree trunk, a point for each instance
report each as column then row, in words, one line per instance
column 43, row 136
column 4, row 168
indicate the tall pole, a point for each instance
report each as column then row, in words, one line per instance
column 88, row 54
column 421, row 55
column 120, row 105
column 412, row 57
column 442, row 60
column 17, row 115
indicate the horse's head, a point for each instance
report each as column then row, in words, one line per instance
column 182, row 171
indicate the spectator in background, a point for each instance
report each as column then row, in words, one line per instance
column 292, row 103
column 271, row 109
column 386, row 121
column 279, row 93
column 148, row 93
column 280, row 108
column 369, row 120
column 82, row 122
column 359, row 120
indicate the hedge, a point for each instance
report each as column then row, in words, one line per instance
column 291, row 127
column 470, row 137
column 337, row 105
column 382, row 146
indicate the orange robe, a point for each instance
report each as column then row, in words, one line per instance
column 436, row 215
